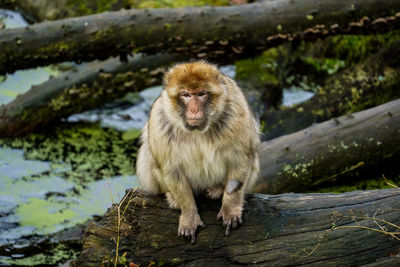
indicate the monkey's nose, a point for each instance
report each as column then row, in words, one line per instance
column 194, row 110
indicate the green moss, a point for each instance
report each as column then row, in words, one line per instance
column 87, row 7
column 326, row 65
column 352, row 48
column 367, row 184
column 91, row 6
column 173, row 3
column 262, row 69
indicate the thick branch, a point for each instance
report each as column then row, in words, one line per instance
column 215, row 32
column 85, row 88
column 348, row 145
column 277, row 231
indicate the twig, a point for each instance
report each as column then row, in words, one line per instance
column 387, row 182
column 119, row 215
column 130, row 194
column 367, row 228
column 318, row 244
column 382, row 229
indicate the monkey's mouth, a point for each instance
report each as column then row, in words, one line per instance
column 195, row 124
column 194, row 121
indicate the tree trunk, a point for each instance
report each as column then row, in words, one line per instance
column 352, row 145
column 277, row 230
column 372, row 82
column 216, row 32
column 85, row 88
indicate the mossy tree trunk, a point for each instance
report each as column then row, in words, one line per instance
column 277, row 231
column 372, row 82
column 212, row 32
column 348, row 146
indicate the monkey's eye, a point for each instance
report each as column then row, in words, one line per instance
column 185, row 95
column 202, row 94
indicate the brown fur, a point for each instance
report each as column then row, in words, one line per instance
column 184, row 162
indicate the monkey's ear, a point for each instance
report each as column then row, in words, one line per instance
column 167, row 76
column 221, row 78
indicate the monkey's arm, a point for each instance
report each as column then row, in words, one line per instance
column 233, row 198
column 182, row 192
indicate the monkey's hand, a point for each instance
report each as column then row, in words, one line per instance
column 188, row 223
column 231, row 216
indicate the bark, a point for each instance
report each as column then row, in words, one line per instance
column 216, row 32
column 372, row 82
column 277, row 231
column 85, row 88
column 360, row 144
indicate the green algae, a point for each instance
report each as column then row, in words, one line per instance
column 43, row 215
column 88, row 148
column 58, row 254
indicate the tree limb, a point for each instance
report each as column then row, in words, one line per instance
column 349, row 145
column 216, row 32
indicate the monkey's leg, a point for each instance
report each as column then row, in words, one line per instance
column 146, row 170
column 233, row 199
column 215, row 192
column 190, row 219
column 255, row 170
column 171, row 201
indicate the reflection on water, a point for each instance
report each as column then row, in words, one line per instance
column 12, row 19
column 122, row 117
column 295, row 95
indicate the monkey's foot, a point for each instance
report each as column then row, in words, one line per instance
column 215, row 192
column 188, row 223
column 231, row 217
column 171, row 201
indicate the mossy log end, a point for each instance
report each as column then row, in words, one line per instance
column 277, row 230
column 359, row 144
column 212, row 32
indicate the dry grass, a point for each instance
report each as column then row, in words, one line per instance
column 120, row 215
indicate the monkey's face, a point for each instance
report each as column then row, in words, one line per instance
column 194, row 108
column 195, row 94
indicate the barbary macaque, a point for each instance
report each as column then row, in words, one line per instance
column 201, row 137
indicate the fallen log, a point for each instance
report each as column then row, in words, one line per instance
column 349, row 146
column 83, row 88
column 225, row 32
column 372, row 82
column 281, row 230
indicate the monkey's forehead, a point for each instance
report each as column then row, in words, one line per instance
column 192, row 75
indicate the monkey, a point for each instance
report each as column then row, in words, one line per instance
column 201, row 137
